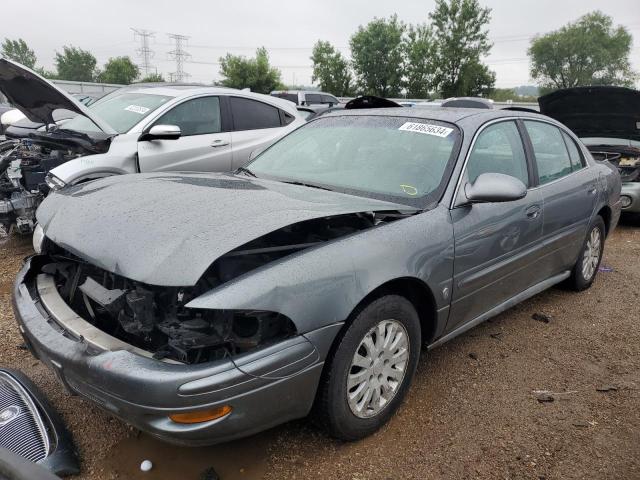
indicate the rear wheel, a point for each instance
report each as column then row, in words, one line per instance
column 371, row 369
column 586, row 268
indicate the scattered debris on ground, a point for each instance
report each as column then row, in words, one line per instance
column 541, row 317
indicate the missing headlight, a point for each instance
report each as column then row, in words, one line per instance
column 156, row 319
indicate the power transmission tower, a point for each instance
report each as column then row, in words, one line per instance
column 144, row 52
column 180, row 56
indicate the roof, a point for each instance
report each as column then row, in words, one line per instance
column 443, row 114
column 302, row 91
column 184, row 90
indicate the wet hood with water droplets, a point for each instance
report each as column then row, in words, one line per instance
column 166, row 229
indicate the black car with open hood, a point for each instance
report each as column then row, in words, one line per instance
column 607, row 120
column 598, row 111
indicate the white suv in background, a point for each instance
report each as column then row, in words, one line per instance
column 143, row 128
column 188, row 128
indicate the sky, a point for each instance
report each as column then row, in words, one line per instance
column 287, row 28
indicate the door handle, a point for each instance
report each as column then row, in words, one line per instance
column 533, row 212
column 219, row 143
column 593, row 189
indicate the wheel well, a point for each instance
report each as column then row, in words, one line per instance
column 605, row 213
column 414, row 290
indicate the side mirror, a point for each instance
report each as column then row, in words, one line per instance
column 162, row 132
column 495, row 187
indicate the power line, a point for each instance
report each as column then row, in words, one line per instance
column 144, row 52
column 180, row 56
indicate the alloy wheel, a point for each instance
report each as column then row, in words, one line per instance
column 378, row 368
column 591, row 256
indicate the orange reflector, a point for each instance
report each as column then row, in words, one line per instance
column 201, row 416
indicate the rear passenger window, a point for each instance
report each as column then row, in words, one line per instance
column 498, row 149
column 552, row 157
column 313, row 98
column 199, row 116
column 329, row 100
column 574, row 152
column 253, row 115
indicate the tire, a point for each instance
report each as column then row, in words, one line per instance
column 583, row 274
column 398, row 319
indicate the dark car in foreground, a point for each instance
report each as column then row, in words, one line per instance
column 607, row 120
column 206, row 307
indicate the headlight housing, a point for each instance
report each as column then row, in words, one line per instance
column 53, row 182
column 38, row 238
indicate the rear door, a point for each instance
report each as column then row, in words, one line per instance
column 203, row 145
column 496, row 244
column 569, row 190
column 256, row 125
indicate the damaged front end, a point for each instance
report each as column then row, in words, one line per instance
column 625, row 158
column 157, row 319
column 24, row 165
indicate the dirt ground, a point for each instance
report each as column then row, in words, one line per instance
column 471, row 413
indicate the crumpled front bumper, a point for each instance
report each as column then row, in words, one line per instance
column 265, row 388
column 632, row 191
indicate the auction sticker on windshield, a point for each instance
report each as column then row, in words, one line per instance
column 137, row 109
column 426, row 128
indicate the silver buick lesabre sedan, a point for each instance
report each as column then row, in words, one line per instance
column 203, row 307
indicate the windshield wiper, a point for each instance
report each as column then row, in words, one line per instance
column 246, row 171
column 310, row 185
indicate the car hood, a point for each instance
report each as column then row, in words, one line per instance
column 612, row 112
column 166, row 229
column 38, row 98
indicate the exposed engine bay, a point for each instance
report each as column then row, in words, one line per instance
column 625, row 158
column 157, row 320
column 23, row 167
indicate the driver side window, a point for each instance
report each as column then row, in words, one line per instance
column 498, row 149
column 199, row 116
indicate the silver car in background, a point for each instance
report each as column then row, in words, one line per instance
column 138, row 128
column 185, row 128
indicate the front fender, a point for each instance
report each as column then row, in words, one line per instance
column 120, row 159
column 323, row 285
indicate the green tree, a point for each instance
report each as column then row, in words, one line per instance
column 119, row 70
column 254, row 73
column 590, row 51
column 419, row 68
column 462, row 39
column 378, row 55
column 475, row 80
column 153, row 77
column 330, row 70
column 18, row 51
column 76, row 64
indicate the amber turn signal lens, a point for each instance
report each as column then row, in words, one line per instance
column 201, row 415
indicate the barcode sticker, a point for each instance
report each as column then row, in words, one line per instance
column 426, row 128
column 137, row 109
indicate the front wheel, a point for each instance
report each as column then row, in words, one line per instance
column 585, row 270
column 371, row 369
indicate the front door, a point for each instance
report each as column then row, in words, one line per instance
column 202, row 146
column 496, row 244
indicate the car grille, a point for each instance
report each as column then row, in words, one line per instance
column 22, row 429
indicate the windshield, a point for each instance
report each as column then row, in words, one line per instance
column 398, row 159
column 122, row 112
